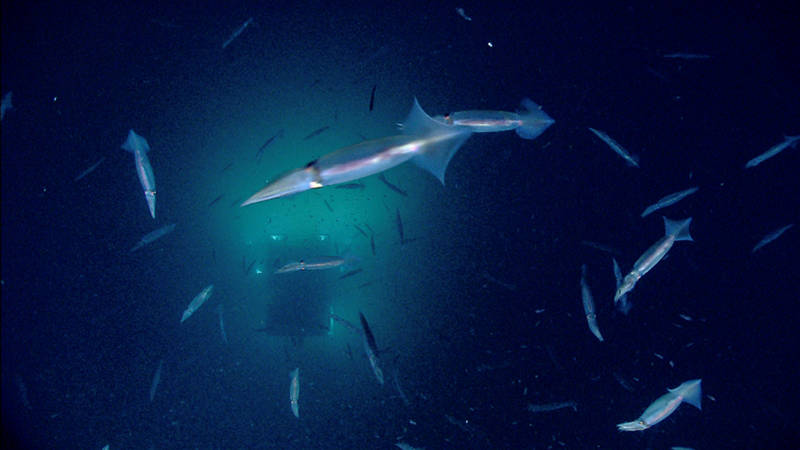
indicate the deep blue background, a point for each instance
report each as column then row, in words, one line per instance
column 693, row 122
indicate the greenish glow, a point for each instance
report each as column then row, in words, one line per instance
column 277, row 231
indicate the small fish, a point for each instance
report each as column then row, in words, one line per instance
column 789, row 141
column 669, row 200
column 212, row 202
column 630, row 159
column 601, row 247
column 771, row 237
column 90, row 169
column 622, row 382
column 360, row 230
column 6, row 104
column 261, row 149
column 372, row 243
column 460, row 12
column 349, row 352
column 328, row 205
column 23, row 392
column 372, row 97
column 588, row 306
column 620, row 302
column 294, row 391
column 220, row 311
column 351, row 186
column 399, row 222
column 247, row 271
column 152, row 236
column 316, row 132
column 392, row 186
column 230, row 164
column 657, row 74
column 398, row 388
column 681, row 55
column 503, row 284
column 405, row 446
column 156, row 380
column 548, row 407
column 237, row 32
column 198, row 301
column 350, row 274
column 371, row 349
column 347, row 324
column 165, row 23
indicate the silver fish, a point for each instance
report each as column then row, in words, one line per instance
column 198, row 301
column 294, row 391
column 237, row 32
column 771, row 237
column 668, row 200
column 220, row 311
column 90, row 169
column 152, row 236
column 630, row 159
column 789, row 141
column 548, row 407
column 156, row 380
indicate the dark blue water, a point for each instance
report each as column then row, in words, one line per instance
column 477, row 310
